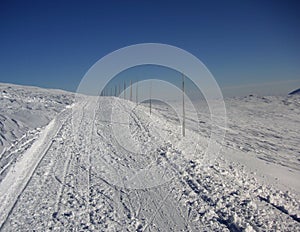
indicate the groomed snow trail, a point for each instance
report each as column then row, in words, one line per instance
column 77, row 181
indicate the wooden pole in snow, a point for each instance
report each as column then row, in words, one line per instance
column 130, row 90
column 150, row 97
column 124, row 90
column 136, row 92
column 183, row 109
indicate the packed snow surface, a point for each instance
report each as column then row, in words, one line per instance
column 23, row 111
column 75, row 175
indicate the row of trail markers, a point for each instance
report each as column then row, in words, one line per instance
column 117, row 93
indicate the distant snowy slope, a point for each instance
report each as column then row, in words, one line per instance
column 24, row 109
column 267, row 126
column 263, row 129
column 297, row 91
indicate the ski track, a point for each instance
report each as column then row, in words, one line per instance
column 15, row 188
column 78, row 186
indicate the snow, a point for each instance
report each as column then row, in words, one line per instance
column 23, row 111
column 108, row 165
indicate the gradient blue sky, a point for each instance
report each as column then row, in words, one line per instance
column 245, row 44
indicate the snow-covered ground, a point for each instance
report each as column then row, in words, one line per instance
column 23, row 111
column 262, row 133
column 77, row 176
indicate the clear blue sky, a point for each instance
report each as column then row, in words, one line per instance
column 243, row 43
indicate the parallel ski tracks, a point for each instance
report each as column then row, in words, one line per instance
column 29, row 178
column 107, row 206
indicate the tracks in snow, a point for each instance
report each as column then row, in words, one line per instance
column 18, row 178
column 81, row 183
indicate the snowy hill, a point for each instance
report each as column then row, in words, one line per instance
column 297, row 91
column 23, row 111
column 81, row 174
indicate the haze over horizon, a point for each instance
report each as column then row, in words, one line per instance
column 249, row 47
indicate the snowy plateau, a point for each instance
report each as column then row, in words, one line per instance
column 64, row 173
